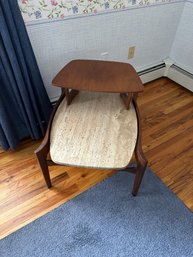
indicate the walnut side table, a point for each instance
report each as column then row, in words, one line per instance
column 91, row 125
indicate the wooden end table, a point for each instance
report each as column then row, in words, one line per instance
column 97, row 76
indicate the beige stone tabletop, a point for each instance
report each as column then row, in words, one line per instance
column 95, row 130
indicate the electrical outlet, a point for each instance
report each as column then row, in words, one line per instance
column 131, row 52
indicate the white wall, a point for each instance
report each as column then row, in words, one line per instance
column 150, row 29
column 182, row 49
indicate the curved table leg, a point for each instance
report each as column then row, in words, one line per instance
column 141, row 160
column 44, row 148
column 139, row 155
column 140, row 170
column 42, row 159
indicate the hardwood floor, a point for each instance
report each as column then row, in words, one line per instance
column 167, row 121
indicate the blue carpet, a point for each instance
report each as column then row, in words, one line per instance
column 107, row 221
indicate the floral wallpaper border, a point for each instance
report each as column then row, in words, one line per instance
column 34, row 10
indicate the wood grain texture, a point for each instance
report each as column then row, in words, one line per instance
column 99, row 76
column 167, row 137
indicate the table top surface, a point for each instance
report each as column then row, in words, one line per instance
column 99, row 76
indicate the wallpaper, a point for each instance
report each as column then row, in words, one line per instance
column 59, row 9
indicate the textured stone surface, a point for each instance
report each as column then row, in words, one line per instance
column 95, row 131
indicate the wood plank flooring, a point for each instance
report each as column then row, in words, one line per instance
column 167, row 120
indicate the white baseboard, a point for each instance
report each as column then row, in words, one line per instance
column 171, row 71
column 181, row 77
column 152, row 75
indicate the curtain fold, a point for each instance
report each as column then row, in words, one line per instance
column 24, row 105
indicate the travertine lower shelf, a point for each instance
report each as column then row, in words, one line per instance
column 94, row 131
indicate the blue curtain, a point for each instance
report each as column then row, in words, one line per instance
column 24, row 105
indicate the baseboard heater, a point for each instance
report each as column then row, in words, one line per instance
column 152, row 73
column 154, row 68
column 181, row 76
column 174, row 72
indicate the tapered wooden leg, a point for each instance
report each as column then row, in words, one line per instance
column 138, row 179
column 41, row 154
column 127, row 98
column 44, row 148
column 44, row 167
column 139, row 155
column 140, row 170
column 70, row 95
